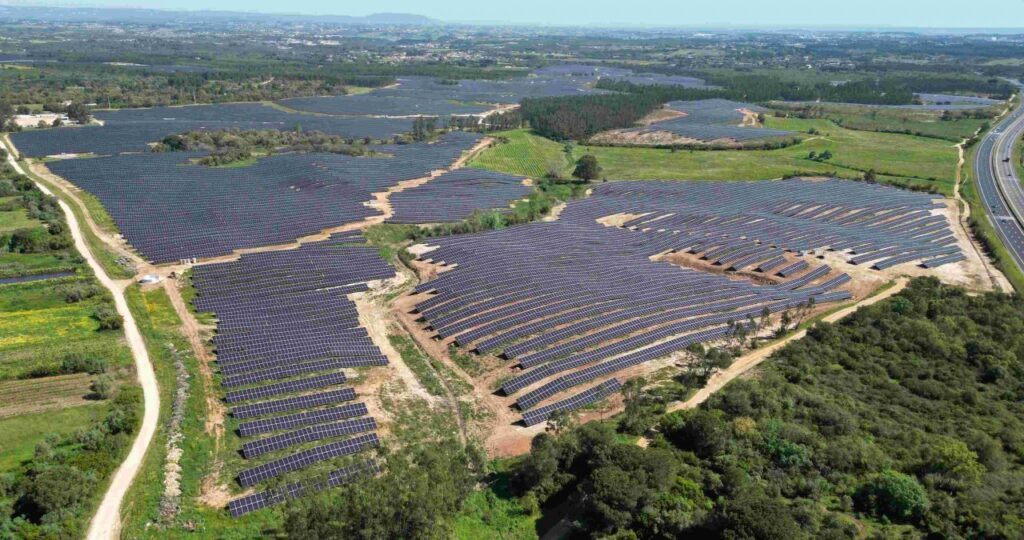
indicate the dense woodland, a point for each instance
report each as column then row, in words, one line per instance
column 906, row 418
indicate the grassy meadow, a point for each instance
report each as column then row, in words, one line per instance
column 897, row 159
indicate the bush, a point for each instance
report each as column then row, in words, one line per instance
column 78, row 291
column 108, row 317
column 79, row 363
column 124, row 412
column 894, row 495
column 35, row 240
column 103, row 386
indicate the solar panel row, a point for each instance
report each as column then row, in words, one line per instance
column 257, row 501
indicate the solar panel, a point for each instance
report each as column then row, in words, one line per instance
column 592, row 395
column 277, row 423
column 255, row 475
column 291, row 404
column 264, row 499
column 317, row 432
column 299, row 385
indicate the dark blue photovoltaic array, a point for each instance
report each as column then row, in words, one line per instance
column 170, row 210
column 531, row 291
column 285, row 328
column 132, row 130
column 428, row 96
column 591, row 395
column 870, row 223
column 455, row 195
column 710, row 120
column 263, row 499
column 581, row 70
column 382, row 102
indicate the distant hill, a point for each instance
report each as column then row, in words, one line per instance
column 156, row 16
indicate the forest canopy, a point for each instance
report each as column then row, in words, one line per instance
column 905, row 418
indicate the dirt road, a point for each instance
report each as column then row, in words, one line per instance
column 749, row 361
column 107, row 521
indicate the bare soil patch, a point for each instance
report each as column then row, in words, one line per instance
column 660, row 115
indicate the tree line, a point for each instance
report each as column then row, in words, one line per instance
column 579, row 117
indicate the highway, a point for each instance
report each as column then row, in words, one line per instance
column 1000, row 188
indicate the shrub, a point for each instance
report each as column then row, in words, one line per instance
column 124, row 412
column 103, row 386
column 79, row 363
column 108, row 317
column 78, row 291
column 894, row 495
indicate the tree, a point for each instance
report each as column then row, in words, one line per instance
column 639, row 414
column 587, row 168
column 77, row 112
column 57, row 488
column 424, row 127
column 892, row 494
column 784, row 323
column 103, row 386
column 705, row 361
column 757, row 516
column 870, row 176
column 561, row 421
column 956, row 464
column 421, row 489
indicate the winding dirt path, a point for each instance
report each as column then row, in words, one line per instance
column 106, row 522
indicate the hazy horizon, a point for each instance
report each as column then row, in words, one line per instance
column 880, row 14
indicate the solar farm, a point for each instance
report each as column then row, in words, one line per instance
column 132, row 130
column 427, row 96
column 934, row 102
column 706, row 121
column 286, row 333
column 456, row 195
column 171, row 210
column 528, row 294
column 561, row 312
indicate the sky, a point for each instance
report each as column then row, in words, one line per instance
column 804, row 13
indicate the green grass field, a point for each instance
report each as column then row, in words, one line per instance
column 524, row 154
column 923, row 122
column 21, row 433
column 15, row 219
column 897, row 159
column 13, row 263
column 38, row 328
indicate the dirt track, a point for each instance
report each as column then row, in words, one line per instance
column 749, row 361
column 106, row 522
